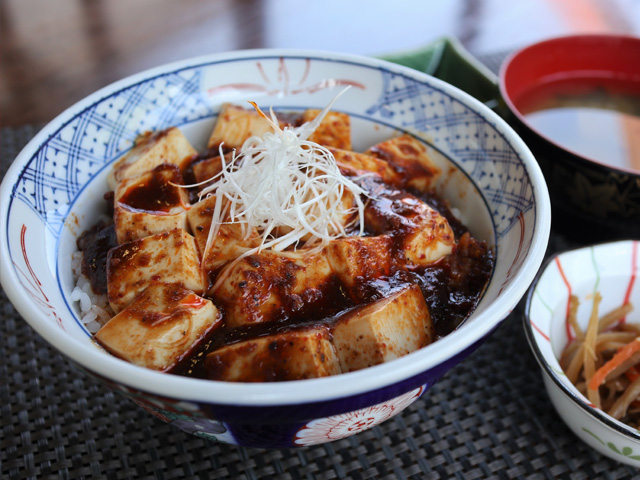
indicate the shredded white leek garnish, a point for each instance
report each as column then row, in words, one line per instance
column 288, row 188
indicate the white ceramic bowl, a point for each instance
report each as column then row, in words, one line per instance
column 56, row 184
column 612, row 269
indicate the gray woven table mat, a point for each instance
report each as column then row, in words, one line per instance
column 487, row 418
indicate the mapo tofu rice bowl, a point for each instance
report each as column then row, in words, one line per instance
column 267, row 248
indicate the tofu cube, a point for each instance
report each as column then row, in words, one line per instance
column 230, row 241
column 411, row 156
column 429, row 243
column 162, row 327
column 358, row 261
column 381, row 331
column 170, row 257
column 333, row 131
column 151, row 150
column 268, row 286
column 235, row 125
column 294, row 355
column 425, row 235
column 150, row 203
column 207, row 169
column 358, row 163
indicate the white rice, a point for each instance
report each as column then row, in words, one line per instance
column 94, row 309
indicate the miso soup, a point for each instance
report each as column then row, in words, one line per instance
column 598, row 118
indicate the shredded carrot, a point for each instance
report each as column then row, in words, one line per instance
column 622, row 355
column 632, row 374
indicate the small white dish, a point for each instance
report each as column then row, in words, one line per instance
column 611, row 269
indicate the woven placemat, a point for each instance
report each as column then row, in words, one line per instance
column 487, row 418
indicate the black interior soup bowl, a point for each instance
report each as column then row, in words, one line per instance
column 575, row 101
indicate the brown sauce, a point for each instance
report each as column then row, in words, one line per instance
column 158, row 193
column 95, row 244
column 452, row 287
column 313, row 314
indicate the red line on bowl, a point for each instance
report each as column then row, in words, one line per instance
column 634, row 268
column 564, row 278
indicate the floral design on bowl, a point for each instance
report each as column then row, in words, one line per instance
column 323, row 430
column 55, row 187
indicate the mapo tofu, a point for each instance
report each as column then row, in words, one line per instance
column 291, row 257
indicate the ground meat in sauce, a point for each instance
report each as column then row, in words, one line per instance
column 95, row 244
column 452, row 287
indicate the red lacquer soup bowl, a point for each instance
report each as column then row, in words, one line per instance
column 576, row 102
